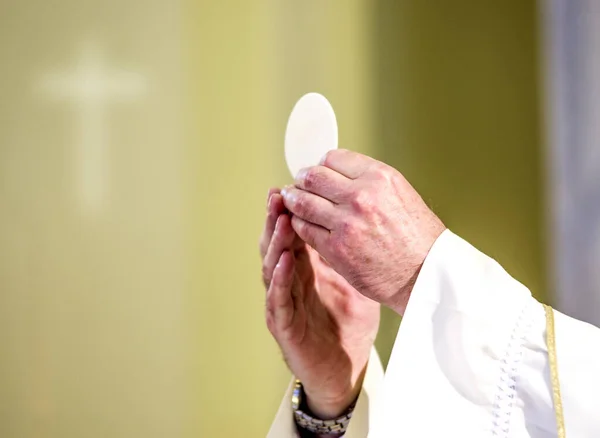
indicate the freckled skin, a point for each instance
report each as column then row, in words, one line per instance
column 374, row 231
column 366, row 219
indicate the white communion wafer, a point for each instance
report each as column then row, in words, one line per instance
column 311, row 132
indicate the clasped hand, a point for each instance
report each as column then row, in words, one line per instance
column 351, row 233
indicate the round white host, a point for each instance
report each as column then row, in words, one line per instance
column 311, row 132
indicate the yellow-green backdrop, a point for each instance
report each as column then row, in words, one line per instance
column 140, row 313
column 251, row 61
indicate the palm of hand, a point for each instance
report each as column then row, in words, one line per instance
column 333, row 327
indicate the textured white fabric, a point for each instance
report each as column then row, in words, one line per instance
column 470, row 359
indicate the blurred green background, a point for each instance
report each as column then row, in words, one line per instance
column 135, row 309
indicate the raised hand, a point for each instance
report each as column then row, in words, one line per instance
column 324, row 327
column 367, row 221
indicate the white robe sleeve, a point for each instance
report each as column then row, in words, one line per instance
column 284, row 426
column 470, row 359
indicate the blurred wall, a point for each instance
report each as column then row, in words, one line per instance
column 92, row 336
column 250, row 62
column 458, row 113
column 131, row 200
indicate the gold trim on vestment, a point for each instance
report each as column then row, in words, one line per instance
column 551, row 342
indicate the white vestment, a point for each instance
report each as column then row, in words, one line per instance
column 470, row 360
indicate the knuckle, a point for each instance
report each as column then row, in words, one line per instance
column 266, row 274
column 306, row 234
column 339, row 242
column 302, row 205
column 312, row 179
column 270, row 320
column 348, row 229
column 362, row 201
column 338, row 248
column 351, row 307
column 382, row 173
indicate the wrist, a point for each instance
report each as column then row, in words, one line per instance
column 328, row 405
column 329, row 409
column 398, row 301
column 310, row 425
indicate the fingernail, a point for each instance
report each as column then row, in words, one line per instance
column 280, row 259
column 301, row 174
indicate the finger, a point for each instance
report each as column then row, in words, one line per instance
column 274, row 210
column 283, row 238
column 314, row 235
column 324, row 182
column 310, row 207
column 348, row 163
column 272, row 191
column 280, row 302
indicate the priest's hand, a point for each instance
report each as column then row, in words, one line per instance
column 324, row 327
column 367, row 221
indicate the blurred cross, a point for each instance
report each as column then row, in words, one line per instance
column 91, row 86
